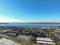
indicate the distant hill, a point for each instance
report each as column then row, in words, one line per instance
column 38, row 22
column 4, row 23
column 32, row 23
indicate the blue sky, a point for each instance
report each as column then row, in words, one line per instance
column 29, row 10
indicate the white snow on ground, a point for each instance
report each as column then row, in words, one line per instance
column 4, row 41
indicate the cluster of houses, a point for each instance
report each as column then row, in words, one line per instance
column 8, row 32
column 25, row 31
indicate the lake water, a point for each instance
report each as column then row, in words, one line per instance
column 30, row 25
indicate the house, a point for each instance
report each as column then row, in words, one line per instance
column 4, row 41
column 44, row 41
column 4, row 31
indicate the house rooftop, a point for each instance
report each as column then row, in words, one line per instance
column 4, row 41
column 43, row 40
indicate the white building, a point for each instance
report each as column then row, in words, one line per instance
column 44, row 41
column 4, row 41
